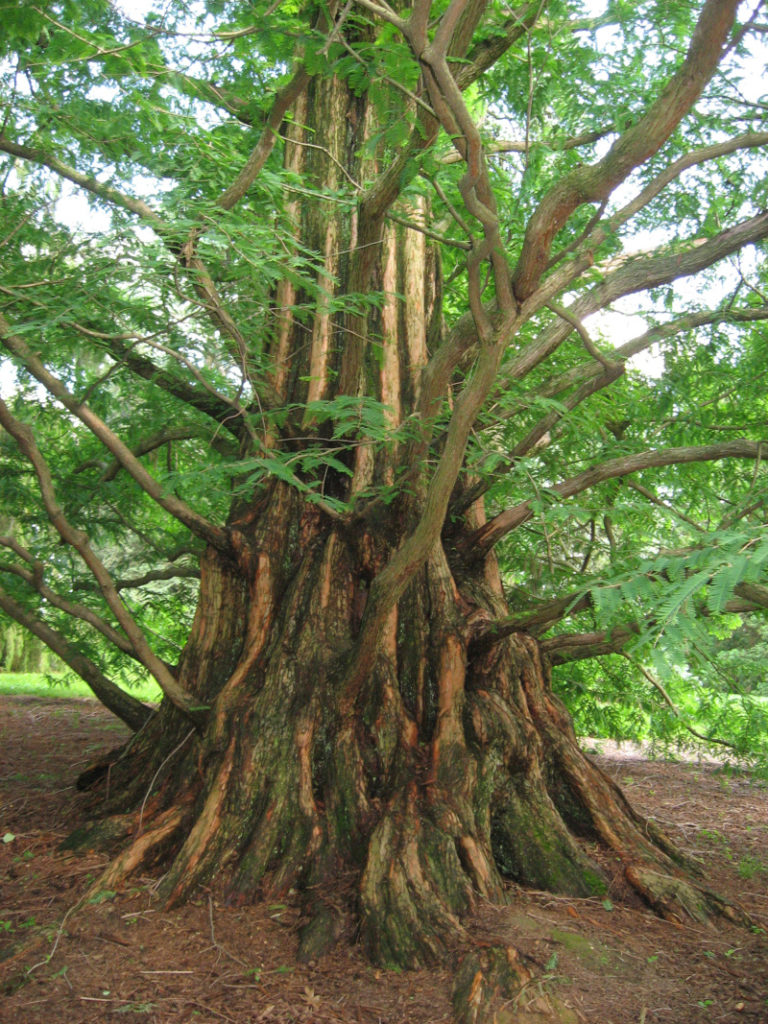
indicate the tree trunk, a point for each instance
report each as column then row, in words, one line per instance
column 452, row 768
column 455, row 769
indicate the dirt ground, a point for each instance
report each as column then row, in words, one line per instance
column 126, row 958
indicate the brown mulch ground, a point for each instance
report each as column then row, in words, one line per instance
column 128, row 959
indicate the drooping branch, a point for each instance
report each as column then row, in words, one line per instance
column 34, row 577
column 127, row 708
column 483, row 539
column 78, row 540
column 638, row 143
column 198, row 524
column 202, row 281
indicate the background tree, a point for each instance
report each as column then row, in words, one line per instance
column 318, row 335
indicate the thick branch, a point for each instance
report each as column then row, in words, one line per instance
column 753, row 593
column 152, row 443
column 219, row 409
column 536, row 621
column 595, row 183
column 390, row 584
column 633, row 274
column 579, row 646
column 559, row 383
column 127, row 708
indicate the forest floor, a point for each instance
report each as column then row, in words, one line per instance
column 125, row 958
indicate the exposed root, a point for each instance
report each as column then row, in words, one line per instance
column 493, row 985
column 165, row 827
column 675, row 899
column 414, row 889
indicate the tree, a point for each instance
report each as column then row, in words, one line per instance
column 321, row 340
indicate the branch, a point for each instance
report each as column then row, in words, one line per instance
column 536, row 621
column 578, row 646
column 181, row 572
column 127, row 708
column 482, row 540
column 200, row 526
column 78, row 611
column 79, row 541
column 151, row 444
column 92, row 185
column 202, row 280
column 521, row 146
column 646, row 493
column 752, row 592
column 589, row 345
column 538, row 434
column 673, row 707
column 596, row 182
column 559, row 383
column 219, row 408
column 631, row 274
column 485, row 53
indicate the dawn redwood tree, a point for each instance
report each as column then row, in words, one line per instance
column 294, row 300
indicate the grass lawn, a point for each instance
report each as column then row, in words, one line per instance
column 41, row 684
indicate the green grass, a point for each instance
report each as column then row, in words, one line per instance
column 40, row 684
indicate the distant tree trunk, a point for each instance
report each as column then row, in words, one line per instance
column 22, row 652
